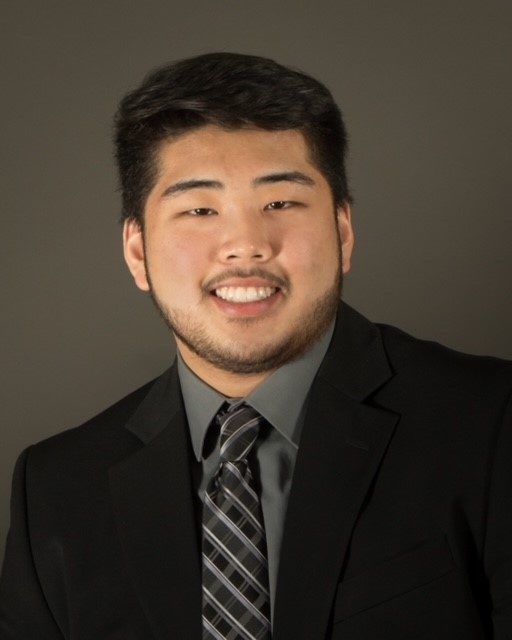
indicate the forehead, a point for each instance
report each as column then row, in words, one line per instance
column 237, row 152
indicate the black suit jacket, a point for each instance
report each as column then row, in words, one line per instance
column 399, row 523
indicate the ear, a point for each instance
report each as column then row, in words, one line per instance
column 133, row 247
column 346, row 232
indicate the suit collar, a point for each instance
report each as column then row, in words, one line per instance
column 161, row 404
column 356, row 363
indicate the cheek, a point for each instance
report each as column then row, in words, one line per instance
column 313, row 254
column 178, row 263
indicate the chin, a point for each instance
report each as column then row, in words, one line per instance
column 266, row 356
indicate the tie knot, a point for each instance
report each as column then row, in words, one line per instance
column 239, row 427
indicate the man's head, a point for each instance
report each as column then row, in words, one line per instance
column 237, row 215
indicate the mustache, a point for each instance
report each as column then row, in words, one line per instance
column 256, row 272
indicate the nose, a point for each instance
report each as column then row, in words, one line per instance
column 246, row 239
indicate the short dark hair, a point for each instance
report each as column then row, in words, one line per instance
column 232, row 91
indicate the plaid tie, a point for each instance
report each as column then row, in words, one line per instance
column 236, row 603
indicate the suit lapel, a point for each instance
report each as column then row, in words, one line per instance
column 154, row 509
column 342, row 443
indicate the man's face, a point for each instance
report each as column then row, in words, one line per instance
column 242, row 250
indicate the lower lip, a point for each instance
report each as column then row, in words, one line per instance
column 248, row 309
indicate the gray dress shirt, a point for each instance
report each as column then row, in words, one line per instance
column 281, row 399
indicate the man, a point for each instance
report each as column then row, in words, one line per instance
column 299, row 473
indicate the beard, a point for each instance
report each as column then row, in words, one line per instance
column 262, row 355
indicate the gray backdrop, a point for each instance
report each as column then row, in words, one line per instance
column 426, row 91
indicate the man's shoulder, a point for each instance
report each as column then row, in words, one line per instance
column 100, row 439
column 441, row 364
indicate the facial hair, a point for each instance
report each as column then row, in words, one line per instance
column 302, row 334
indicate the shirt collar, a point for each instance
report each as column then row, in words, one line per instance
column 280, row 399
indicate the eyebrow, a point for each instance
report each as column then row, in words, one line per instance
column 187, row 185
column 296, row 177
column 285, row 176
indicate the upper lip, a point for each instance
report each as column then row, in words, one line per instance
column 245, row 282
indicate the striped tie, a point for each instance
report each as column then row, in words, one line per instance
column 235, row 574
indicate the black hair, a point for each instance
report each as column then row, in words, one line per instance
column 232, row 91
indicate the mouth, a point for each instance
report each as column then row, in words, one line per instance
column 249, row 302
column 241, row 295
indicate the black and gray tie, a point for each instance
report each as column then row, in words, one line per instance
column 236, row 603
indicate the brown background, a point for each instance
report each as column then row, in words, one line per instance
column 427, row 94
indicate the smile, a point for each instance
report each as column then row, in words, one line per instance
column 244, row 294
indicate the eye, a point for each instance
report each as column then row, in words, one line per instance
column 280, row 204
column 201, row 211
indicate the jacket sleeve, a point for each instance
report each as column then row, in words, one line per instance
column 498, row 542
column 24, row 612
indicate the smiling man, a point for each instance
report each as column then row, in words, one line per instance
column 298, row 473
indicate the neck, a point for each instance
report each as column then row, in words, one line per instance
column 229, row 384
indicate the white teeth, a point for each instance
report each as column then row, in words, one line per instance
column 244, row 294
